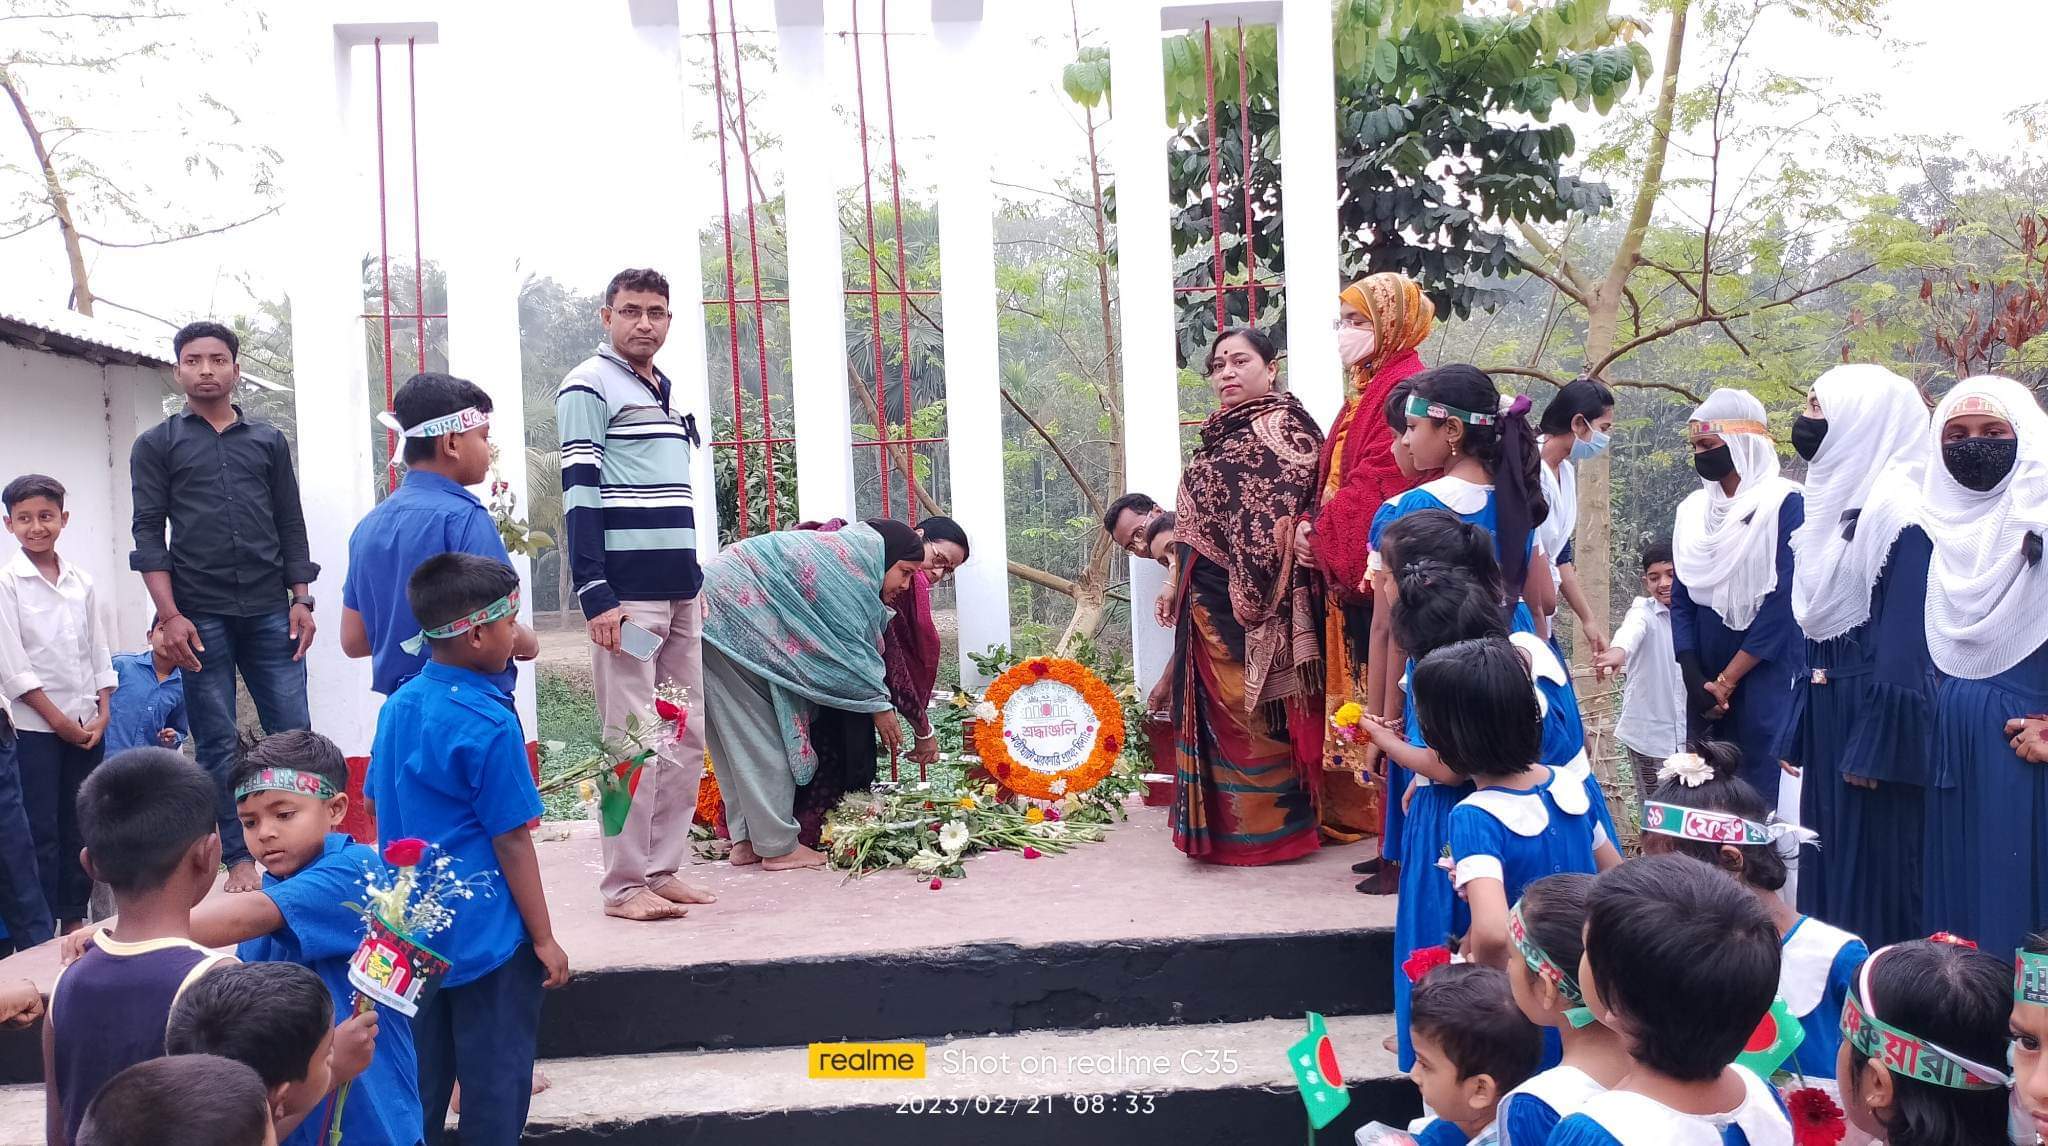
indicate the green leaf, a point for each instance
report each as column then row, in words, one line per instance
column 1645, row 67
column 1386, row 61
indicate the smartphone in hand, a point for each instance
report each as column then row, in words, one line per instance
column 637, row 642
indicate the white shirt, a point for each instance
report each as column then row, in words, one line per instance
column 1561, row 493
column 54, row 638
column 1653, row 695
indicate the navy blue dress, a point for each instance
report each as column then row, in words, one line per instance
column 1987, row 810
column 1867, row 711
column 1761, row 713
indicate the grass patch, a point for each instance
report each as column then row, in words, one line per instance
column 568, row 716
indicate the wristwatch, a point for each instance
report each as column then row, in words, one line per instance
column 303, row 599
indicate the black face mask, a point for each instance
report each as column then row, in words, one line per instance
column 1807, row 435
column 1980, row 463
column 1714, row 464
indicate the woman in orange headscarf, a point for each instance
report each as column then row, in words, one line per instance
column 1385, row 318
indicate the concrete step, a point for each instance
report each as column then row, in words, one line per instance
column 1194, row 1083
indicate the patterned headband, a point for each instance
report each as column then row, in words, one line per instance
column 1722, row 427
column 1979, row 404
column 460, row 422
column 287, row 780
column 497, row 610
column 1907, row 1055
column 2030, row 978
column 1420, row 407
column 1539, row 961
column 1718, row 827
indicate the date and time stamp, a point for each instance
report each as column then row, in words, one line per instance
column 1022, row 1086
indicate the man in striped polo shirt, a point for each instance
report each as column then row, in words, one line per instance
column 631, row 540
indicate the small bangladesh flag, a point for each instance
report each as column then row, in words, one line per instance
column 1317, row 1074
column 1774, row 1041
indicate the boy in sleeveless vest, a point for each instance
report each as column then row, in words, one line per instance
column 147, row 820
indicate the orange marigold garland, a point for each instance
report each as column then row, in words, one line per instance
column 992, row 745
column 710, row 802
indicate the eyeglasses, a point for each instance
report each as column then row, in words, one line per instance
column 635, row 314
column 1359, row 323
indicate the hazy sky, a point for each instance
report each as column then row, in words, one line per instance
column 1970, row 62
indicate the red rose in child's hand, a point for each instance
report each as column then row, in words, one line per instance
column 1816, row 1120
column 405, row 853
column 1425, row 960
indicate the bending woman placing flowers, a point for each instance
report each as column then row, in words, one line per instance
column 792, row 622
column 1247, row 700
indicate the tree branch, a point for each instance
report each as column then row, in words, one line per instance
column 1073, row 471
column 263, row 214
column 1671, row 328
column 1581, row 288
column 128, row 16
column 1652, row 184
column 1563, row 287
column 1081, row 203
column 1527, row 372
column 1041, row 578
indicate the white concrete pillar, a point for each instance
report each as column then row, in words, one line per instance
column 967, row 284
column 1308, row 194
column 817, row 281
column 1144, row 269
column 483, row 272
column 655, row 75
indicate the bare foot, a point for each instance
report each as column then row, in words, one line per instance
column 676, row 891
column 243, row 877
column 742, row 854
column 801, row 857
column 540, row 1082
column 645, row 907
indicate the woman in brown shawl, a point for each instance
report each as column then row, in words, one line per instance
column 1248, row 705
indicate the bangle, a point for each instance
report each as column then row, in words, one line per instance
column 1722, row 680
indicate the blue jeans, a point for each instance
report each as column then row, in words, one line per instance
column 51, row 772
column 261, row 649
column 482, row 1034
column 23, row 907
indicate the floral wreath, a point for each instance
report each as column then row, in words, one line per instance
column 993, row 748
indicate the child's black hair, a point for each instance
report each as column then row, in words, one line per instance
column 1686, row 957
column 425, row 397
column 1506, row 446
column 1586, row 398
column 179, row 1100
column 449, row 586
column 1657, row 552
column 270, row 1016
column 1439, row 605
column 1443, row 536
column 946, row 529
column 139, row 812
column 1959, row 998
column 1763, row 865
column 1469, row 1010
column 1396, row 409
column 1477, row 708
column 32, row 485
column 1554, row 911
column 299, row 749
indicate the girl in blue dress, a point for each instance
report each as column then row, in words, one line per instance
column 1702, row 809
column 1985, row 505
column 1683, row 961
column 1548, row 928
column 1859, row 588
column 1926, row 1064
column 1738, row 647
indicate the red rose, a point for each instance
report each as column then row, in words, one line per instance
column 1425, row 960
column 1031, row 853
column 668, row 711
column 1109, row 744
column 1040, row 668
column 405, row 853
column 1816, row 1120
column 937, row 883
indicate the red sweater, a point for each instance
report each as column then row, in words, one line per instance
column 1344, row 521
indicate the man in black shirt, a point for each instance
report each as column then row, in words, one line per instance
column 231, row 587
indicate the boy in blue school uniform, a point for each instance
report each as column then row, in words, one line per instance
column 149, row 700
column 447, row 429
column 449, row 766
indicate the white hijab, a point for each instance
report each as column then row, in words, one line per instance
column 1870, row 464
column 1987, row 609
column 1726, row 548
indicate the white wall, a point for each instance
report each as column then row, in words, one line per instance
column 74, row 420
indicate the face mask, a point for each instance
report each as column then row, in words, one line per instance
column 1980, row 463
column 1585, row 449
column 1807, row 435
column 1354, row 344
column 1714, row 464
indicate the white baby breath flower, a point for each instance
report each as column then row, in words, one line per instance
column 985, row 711
column 953, row 838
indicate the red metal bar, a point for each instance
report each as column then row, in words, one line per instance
column 867, row 190
column 419, row 263
column 902, row 269
column 739, row 91
column 1267, row 284
column 384, row 265
column 732, row 326
column 1244, row 155
column 901, row 442
column 754, row 441
column 399, row 314
column 1215, row 174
